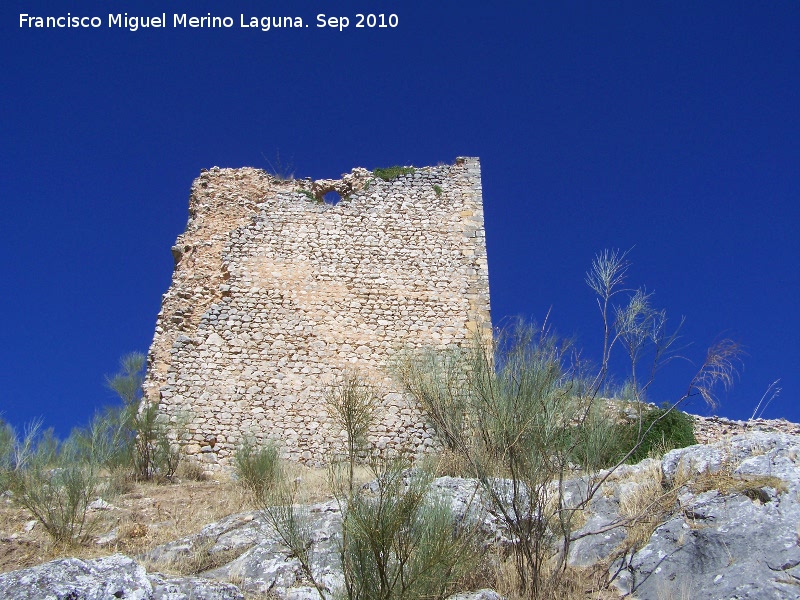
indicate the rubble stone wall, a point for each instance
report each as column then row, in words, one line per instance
column 276, row 293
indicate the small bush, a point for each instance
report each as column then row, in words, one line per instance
column 437, row 380
column 133, row 435
column 396, row 541
column 400, row 543
column 51, row 481
column 596, row 440
column 292, row 524
column 192, row 471
column 601, row 443
column 106, row 441
column 438, row 190
column 165, row 455
column 668, row 429
column 393, row 172
column 351, row 406
column 258, row 469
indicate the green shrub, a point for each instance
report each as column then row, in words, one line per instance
column 398, row 542
column 133, row 434
column 156, row 456
column 52, row 482
column 291, row 522
column 596, row 440
column 658, row 431
column 7, row 437
column 107, row 440
column 438, row 190
column 528, row 408
column 437, row 380
column 351, row 405
column 15, row 453
column 258, row 469
column 393, row 172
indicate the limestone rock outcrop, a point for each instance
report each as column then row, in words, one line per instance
column 723, row 523
column 730, row 530
column 716, row 521
column 107, row 578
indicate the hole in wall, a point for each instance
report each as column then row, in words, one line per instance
column 331, row 197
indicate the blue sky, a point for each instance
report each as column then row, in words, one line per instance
column 669, row 128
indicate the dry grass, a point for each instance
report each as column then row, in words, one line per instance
column 191, row 471
column 312, row 484
column 448, row 463
column 148, row 515
column 201, row 559
column 496, row 570
column 727, row 482
column 643, row 503
column 144, row 518
column 499, row 574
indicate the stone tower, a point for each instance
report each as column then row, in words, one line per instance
column 275, row 293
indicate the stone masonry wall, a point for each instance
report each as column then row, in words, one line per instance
column 276, row 293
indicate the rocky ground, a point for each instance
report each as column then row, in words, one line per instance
column 718, row 520
column 131, row 523
column 723, row 522
column 712, row 429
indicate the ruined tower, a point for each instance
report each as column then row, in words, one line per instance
column 276, row 292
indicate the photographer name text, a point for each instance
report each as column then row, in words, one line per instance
column 208, row 21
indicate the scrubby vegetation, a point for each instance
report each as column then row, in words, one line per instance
column 57, row 480
column 310, row 196
column 352, row 405
column 390, row 173
column 398, row 542
column 131, row 437
column 257, row 468
column 525, row 416
column 665, row 430
column 49, row 479
column 521, row 413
